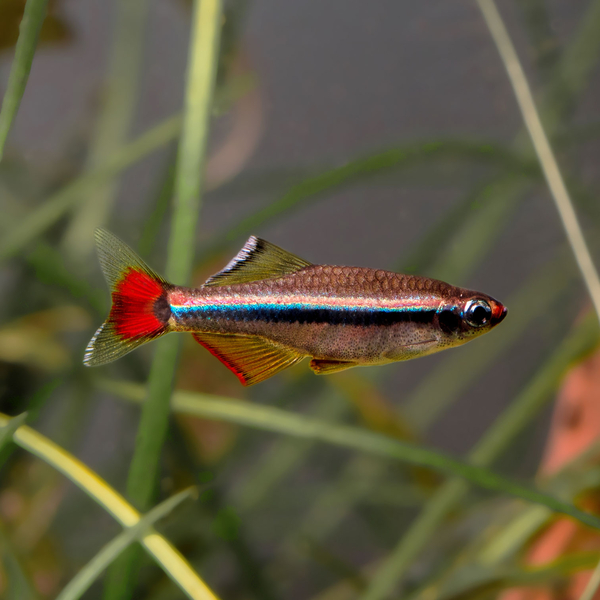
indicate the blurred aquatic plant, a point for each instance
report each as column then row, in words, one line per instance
column 277, row 514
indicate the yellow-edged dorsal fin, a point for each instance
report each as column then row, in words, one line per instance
column 326, row 367
column 257, row 260
column 251, row 358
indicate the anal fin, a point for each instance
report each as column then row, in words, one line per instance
column 251, row 358
column 326, row 367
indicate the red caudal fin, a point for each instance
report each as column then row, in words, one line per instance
column 140, row 311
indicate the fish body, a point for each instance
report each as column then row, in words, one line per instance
column 350, row 314
column 268, row 309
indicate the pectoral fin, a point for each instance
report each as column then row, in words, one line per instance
column 326, row 367
column 251, row 358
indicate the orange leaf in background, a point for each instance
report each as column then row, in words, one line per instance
column 576, row 420
column 55, row 28
column 575, row 426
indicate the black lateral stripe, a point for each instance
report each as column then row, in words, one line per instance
column 356, row 317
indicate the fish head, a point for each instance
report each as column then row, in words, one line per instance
column 467, row 315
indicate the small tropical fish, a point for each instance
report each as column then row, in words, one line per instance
column 268, row 309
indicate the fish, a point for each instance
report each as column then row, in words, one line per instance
column 269, row 309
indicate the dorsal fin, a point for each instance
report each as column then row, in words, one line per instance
column 257, row 260
column 251, row 358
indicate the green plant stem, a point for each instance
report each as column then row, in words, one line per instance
column 33, row 18
column 527, row 404
column 143, row 473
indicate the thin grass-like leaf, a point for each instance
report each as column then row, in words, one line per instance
column 507, row 535
column 93, row 569
column 174, row 565
column 33, row 18
column 504, row 539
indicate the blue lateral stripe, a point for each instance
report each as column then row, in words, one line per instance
column 304, row 313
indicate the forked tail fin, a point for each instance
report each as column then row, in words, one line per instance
column 140, row 310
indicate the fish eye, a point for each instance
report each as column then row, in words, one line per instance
column 478, row 313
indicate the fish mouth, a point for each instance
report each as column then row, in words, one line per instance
column 499, row 311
